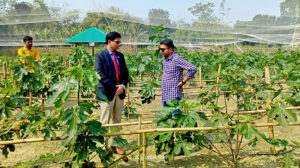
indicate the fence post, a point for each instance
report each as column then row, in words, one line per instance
column 218, row 80
column 43, row 102
column 139, row 139
column 65, row 61
column 4, row 72
column 256, row 97
column 200, row 83
column 270, row 120
column 128, row 102
column 144, row 150
column 30, row 99
column 200, row 76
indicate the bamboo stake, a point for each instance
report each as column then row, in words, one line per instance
column 200, row 83
column 200, row 76
column 126, row 124
column 189, row 129
column 65, row 62
column 4, row 73
column 207, row 115
column 149, row 131
column 43, row 102
column 218, row 80
column 256, row 97
column 144, row 150
column 94, row 99
column 21, row 141
column 270, row 120
column 30, row 99
column 139, row 140
column 128, row 102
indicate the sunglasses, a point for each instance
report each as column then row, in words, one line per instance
column 118, row 42
column 162, row 49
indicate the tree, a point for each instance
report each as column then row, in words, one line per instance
column 264, row 20
column 5, row 5
column 289, row 12
column 159, row 16
column 204, row 12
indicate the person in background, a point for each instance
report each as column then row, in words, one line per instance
column 172, row 79
column 111, row 67
column 28, row 50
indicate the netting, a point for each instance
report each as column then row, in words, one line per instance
column 191, row 24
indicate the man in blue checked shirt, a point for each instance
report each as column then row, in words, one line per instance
column 173, row 66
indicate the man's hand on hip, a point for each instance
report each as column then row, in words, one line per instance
column 120, row 90
column 180, row 85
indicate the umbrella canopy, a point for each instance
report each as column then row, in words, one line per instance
column 90, row 35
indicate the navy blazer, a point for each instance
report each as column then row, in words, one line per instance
column 105, row 68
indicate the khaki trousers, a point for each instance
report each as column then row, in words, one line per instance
column 112, row 110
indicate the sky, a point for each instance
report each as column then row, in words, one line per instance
column 238, row 9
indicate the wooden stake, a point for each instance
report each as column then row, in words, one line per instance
column 200, row 83
column 218, row 80
column 30, row 99
column 256, row 97
column 65, row 62
column 200, row 76
column 144, row 150
column 139, row 140
column 149, row 131
column 43, row 102
column 270, row 120
column 128, row 102
column 4, row 70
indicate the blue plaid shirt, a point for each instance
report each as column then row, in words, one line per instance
column 172, row 75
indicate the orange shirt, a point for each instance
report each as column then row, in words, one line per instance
column 33, row 52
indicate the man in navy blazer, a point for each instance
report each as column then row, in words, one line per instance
column 111, row 67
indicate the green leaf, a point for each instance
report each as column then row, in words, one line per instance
column 82, row 155
column 177, row 148
column 249, row 131
column 185, row 150
column 95, row 128
column 282, row 115
column 122, row 143
column 165, row 136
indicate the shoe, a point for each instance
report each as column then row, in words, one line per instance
column 19, row 109
column 119, row 151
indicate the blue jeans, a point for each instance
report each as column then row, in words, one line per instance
column 164, row 104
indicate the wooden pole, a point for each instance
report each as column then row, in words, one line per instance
column 218, row 80
column 270, row 120
column 139, row 140
column 144, row 150
column 43, row 102
column 200, row 83
column 65, row 61
column 93, row 51
column 256, row 97
column 30, row 99
column 200, row 76
column 128, row 102
column 4, row 72
column 149, row 131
